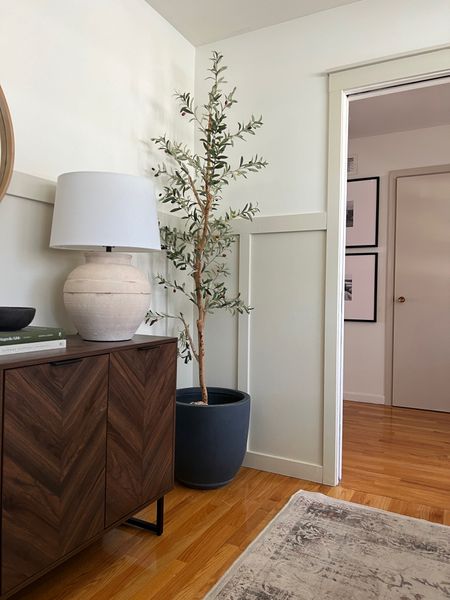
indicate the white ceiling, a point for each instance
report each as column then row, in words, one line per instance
column 400, row 111
column 206, row 21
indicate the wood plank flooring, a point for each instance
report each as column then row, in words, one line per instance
column 395, row 459
column 403, row 454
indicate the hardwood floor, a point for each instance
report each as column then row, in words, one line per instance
column 395, row 459
column 402, row 454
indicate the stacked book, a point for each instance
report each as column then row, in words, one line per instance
column 31, row 339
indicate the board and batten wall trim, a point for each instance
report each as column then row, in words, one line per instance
column 316, row 221
column 247, row 230
column 30, row 187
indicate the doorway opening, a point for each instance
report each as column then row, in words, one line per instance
column 396, row 285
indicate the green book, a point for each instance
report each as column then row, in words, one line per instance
column 31, row 334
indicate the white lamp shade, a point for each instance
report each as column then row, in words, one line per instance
column 94, row 209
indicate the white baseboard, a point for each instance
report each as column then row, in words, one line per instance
column 283, row 466
column 360, row 397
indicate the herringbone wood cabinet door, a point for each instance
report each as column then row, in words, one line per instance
column 54, row 463
column 140, row 428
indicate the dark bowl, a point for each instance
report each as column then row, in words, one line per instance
column 13, row 318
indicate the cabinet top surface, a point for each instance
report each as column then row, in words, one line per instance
column 76, row 348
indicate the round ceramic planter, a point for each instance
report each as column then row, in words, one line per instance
column 210, row 440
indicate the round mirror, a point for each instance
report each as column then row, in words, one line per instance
column 6, row 145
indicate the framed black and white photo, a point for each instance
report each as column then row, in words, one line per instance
column 362, row 212
column 360, row 287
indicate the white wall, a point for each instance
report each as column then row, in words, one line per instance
column 280, row 72
column 364, row 363
column 86, row 83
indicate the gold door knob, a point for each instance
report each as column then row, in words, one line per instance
column 401, row 299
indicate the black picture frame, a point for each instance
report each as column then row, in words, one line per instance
column 377, row 212
column 372, row 317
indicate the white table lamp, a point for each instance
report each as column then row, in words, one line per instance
column 107, row 297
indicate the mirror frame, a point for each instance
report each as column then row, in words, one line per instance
column 6, row 145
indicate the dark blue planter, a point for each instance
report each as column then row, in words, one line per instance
column 210, row 440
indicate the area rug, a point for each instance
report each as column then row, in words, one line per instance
column 319, row 548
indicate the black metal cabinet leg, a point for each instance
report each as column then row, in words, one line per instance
column 155, row 527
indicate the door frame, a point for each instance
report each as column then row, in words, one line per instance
column 388, row 72
column 394, row 176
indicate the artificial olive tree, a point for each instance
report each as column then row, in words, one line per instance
column 193, row 185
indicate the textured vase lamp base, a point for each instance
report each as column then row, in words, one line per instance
column 107, row 297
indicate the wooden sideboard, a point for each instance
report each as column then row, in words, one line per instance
column 87, row 442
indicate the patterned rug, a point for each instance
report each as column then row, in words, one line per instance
column 319, row 548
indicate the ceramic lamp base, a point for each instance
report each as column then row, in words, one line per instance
column 107, row 297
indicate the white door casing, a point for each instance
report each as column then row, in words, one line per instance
column 344, row 82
